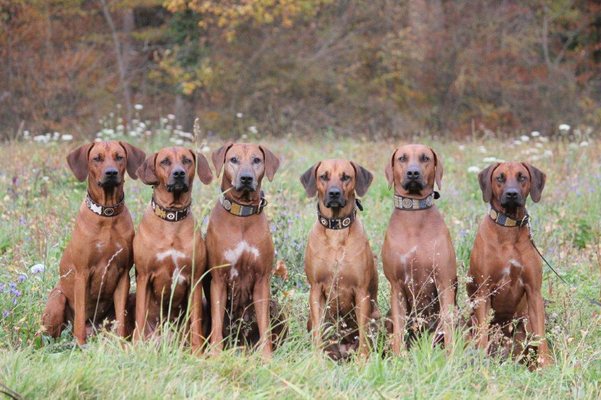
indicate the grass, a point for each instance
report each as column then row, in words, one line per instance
column 39, row 198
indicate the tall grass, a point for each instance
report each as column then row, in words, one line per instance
column 39, row 199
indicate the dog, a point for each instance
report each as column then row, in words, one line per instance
column 94, row 269
column 170, row 254
column 418, row 255
column 240, row 247
column 339, row 262
column 505, row 273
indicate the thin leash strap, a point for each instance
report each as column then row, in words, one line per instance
column 592, row 301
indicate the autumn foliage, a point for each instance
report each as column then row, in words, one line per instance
column 362, row 67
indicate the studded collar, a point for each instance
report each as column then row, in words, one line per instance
column 342, row 222
column 242, row 210
column 171, row 215
column 406, row 203
column 104, row 211
column 505, row 220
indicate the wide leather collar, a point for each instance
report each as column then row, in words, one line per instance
column 171, row 215
column 406, row 203
column 342, row 222
column 505, row 220
column 104, row 211
column 242, row 210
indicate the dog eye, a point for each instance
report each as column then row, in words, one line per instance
column 425, row 159
column 186, row 161
column 521, row 178
column 165, row 161
column 234, row 160
column 118, row 157
column 256, row 161
column 323, row 177
column 403, row 158
column 97, row 158
column 345, row 178
column 500, row 178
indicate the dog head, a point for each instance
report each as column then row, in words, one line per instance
column 336, row 182
column 413, row 169
column 104, row 164
column 172, row 170
column 244, row 166
column 508, row 184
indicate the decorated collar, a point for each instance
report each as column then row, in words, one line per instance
column 169, row 214
column 104, row 211
column 242, row 210
column 405, row 203
column 504, row 220
column 339, row 223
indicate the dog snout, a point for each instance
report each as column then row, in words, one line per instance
column 413, row 173
column 334, row 197
column 111, row 173
column 334, row 193
column 178, row 174
column 512, row 194
column 246, row 179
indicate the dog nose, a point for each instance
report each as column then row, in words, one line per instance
column 178, row 173
column 413, row 173
column 246, row 179
column 111, row 172
column 511, row 194
column 334, row 193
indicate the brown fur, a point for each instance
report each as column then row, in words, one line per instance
column 339, row 263
column 418, row 255
column 505, row 270
column 94, row 269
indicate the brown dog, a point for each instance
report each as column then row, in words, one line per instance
column 505, row 270
column 239, row 244
column 170, row 254
column 418, row 255
column 339, row 262
column 94, row 269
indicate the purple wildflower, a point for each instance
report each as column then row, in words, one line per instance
column 22, row 278
column 5, row 313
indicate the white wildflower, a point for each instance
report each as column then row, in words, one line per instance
column 205, row 149
column 171, row 116
column 535, row 133
column 525, row 138
column 482, row 149
column 67, row 138
column 139, row 107
column 253, row 129
column 548, row 153
column 584, row 144
column 461, row 147
column 36, row 269
column 45, row 178
column 517, row 142
column 543, row 139
column 564, row 127
column 239, row 115
column 490, row 159
column 473, row 169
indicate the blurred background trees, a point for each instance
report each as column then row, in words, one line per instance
column 376, row 67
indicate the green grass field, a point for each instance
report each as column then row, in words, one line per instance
column 39, row 198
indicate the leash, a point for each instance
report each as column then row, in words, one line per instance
column 592, row 301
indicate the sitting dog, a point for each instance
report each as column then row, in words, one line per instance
column 240, row 248
column 94, row 270
column 418, row 255
column 339, row 262
column 170, row 255
column 505, row 270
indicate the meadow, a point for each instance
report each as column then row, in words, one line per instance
column 39, row 198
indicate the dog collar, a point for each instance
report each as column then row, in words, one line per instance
column 167, row 214
column 405, row 203
column 339, row 223
column 242, row 210
column 104, row 211
column 504, row 220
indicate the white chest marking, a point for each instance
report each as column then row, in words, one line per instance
column 405, row 257
column 174, row 254
column 233, row 255
column 177, row 274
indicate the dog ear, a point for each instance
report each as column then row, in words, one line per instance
column 438, row 170
column 203, row 169
column 272, row 163
column 363, row 179
column 389, row 170
column 218, row 157
column 146, row 171
column 78, row 161
column 485, row 181
column 135, row 158
column 537, row 182
column 308, row 179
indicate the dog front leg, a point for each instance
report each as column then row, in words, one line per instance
column 398, row 302
column 142, row 297
column 262, row 296
column 81, row 295
column 316, row 306
column 120, row 300
column 363, row 312
column 536, row 324
column 446, row 296
column 218, row 299
column 481, row 310
column 196, row 318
